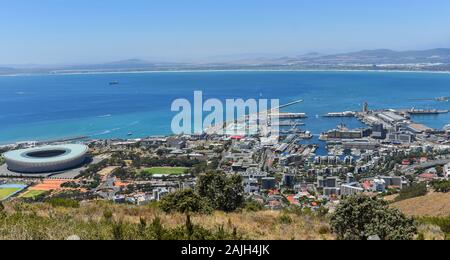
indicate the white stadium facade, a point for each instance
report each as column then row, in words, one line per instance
column 46, row 159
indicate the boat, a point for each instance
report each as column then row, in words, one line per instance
column 414, row 111
column 130, row 134
column 114, row 83
column 442, row 99
column 341, row 114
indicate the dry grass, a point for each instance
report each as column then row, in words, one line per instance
column 433, row 205
column 431, row 232
column 107, row 171
column 263, row 225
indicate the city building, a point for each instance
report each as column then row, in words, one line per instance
column 350, row 189
column 331, row 182
column 344, row 133
column 447, row 171
column 289, row 180
column 378, row 131
column 392, row 181
column 331, row 191
column 268, row 183
column 401, row 137
column 379, row 185
column 361, row 145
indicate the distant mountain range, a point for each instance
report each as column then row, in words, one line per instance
column 366, row 57
column 381, row 59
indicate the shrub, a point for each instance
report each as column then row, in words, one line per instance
column 23, row 226
column 441, row 186
column 223, row 192
column 284, row 219
column 189, row 231
column 70, row 184
column 2, row 209
column 108, row 215
column 253, row 205
column 324, row 229
column 443, row 223
column 413, row 191
column 322, row 212
column 65, row 203
column 185, row 201
column 359, row 217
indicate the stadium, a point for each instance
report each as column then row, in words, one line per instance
column 46, row 159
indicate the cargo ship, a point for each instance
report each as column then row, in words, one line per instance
column 414, row 111
column 341, row 114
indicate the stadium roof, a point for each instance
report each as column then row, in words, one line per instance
column 63, row 152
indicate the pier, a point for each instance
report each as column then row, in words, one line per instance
column 282, row 116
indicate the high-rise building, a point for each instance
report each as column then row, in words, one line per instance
column 288, row 180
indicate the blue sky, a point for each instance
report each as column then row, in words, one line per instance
column 86, row 31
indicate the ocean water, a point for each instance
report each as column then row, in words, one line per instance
column 49, row 107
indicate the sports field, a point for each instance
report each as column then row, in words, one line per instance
column 6, row 192
column 166, row 170
column 32, row 194
column 48, row 185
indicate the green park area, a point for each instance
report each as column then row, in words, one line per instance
column 166, row 170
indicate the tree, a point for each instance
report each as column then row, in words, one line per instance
column 359, row 217
column 224, row 192
column 162, row 152
column 185, row 201
column 441, row 186
column 440, row 170
column 413, row 191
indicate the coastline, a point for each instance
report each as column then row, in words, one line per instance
column 222, row 70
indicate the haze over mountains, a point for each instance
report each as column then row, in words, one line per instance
column 381, row 59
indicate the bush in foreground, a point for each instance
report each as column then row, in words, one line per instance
column 360, row 217
column 65, row 203
column 223, row 192
column 442, row 222
column 185, row 201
